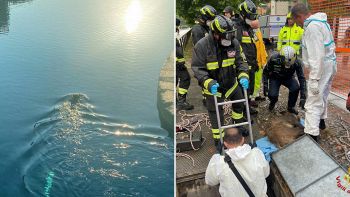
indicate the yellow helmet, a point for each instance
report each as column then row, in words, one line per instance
column 289, row 15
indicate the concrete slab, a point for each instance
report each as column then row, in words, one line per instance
column 304, row 165
column 327, row 186
column 338, row 101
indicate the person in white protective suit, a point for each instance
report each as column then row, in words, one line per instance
column 249, row 162
column 318, row 49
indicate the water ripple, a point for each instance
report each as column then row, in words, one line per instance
column 87, row 151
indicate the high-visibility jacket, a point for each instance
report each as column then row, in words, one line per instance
column 212, row 62
column 290, row 36
column 261, row 50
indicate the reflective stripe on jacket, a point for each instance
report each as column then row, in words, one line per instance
column 247, row 38
column 225, row 65
column 290, row 36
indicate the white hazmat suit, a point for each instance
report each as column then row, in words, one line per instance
column 250, row 163
column 319, row 55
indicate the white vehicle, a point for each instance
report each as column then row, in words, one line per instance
column 270, row 26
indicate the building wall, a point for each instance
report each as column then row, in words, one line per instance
column 282, row 7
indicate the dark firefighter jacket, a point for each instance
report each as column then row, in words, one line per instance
column 247, row 38
column 199, row 31
column 223, row 64
column 275, row 69
column 180, row 60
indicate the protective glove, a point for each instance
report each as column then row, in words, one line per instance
column 244, row 82
column 313, row 85
column 302, row 103
column 214, row 88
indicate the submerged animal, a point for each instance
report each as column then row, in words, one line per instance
column 285, row 129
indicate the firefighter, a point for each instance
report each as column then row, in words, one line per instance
column 219, row 66
column 280, row 70
column 247, row 37
column 199, row 30
column 290, row 35
column 228, row 12
column 183, row 79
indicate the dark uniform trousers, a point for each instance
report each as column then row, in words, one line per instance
column 237, row 110
column 182, row 77
column 291, row 83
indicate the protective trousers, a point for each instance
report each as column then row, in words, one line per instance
column 291, row 84
column 257, row 84
column 237, row 110
column 183, row 79
column 251, row 81
column 316, row 105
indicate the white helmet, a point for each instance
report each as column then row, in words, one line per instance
column 289, row 55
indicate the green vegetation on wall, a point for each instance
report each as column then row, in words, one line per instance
column 189, row 10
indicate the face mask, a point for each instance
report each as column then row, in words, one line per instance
column 225, row 42
column 208, row 23
column 253, row 24
column 249, row 22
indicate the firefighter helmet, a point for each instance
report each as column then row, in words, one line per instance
column 289, row 55
column 247, row 9
column 207, row 12
column 223, row 26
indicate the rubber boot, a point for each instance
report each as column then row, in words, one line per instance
column 322, row 125
column 315, row 137
column 293, row 110
column 272, row 105
column 182, row 104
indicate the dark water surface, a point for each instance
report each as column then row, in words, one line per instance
column 78, row 86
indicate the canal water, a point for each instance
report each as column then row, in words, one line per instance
column 78, row 97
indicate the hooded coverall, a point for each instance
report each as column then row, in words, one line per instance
column 250, row 163
column 247, row 38
column 290, row 36
column 319, row 55
column 181, row 71
column 276, row 74
column 213, row 63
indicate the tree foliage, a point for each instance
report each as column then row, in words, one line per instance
column 189, row 9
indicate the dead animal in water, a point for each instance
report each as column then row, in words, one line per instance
column 284, row 129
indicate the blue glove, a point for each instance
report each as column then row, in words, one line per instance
column 244, row 82
column 214, row 88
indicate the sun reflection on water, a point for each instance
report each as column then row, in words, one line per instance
column 133, row 16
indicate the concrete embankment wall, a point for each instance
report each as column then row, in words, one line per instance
column 165, row 101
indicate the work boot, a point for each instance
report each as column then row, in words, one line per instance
column 204, row 102
column 315, row 137
column 322, row 125
column 218, row 145
column 253, row 103
column 259, row 98
column 293, row 110
column 182, row 104
column 271, row 106
column 253, row 111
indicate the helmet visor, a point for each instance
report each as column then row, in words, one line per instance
column 289, row 61
column 228, row 35
column 252, row 16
